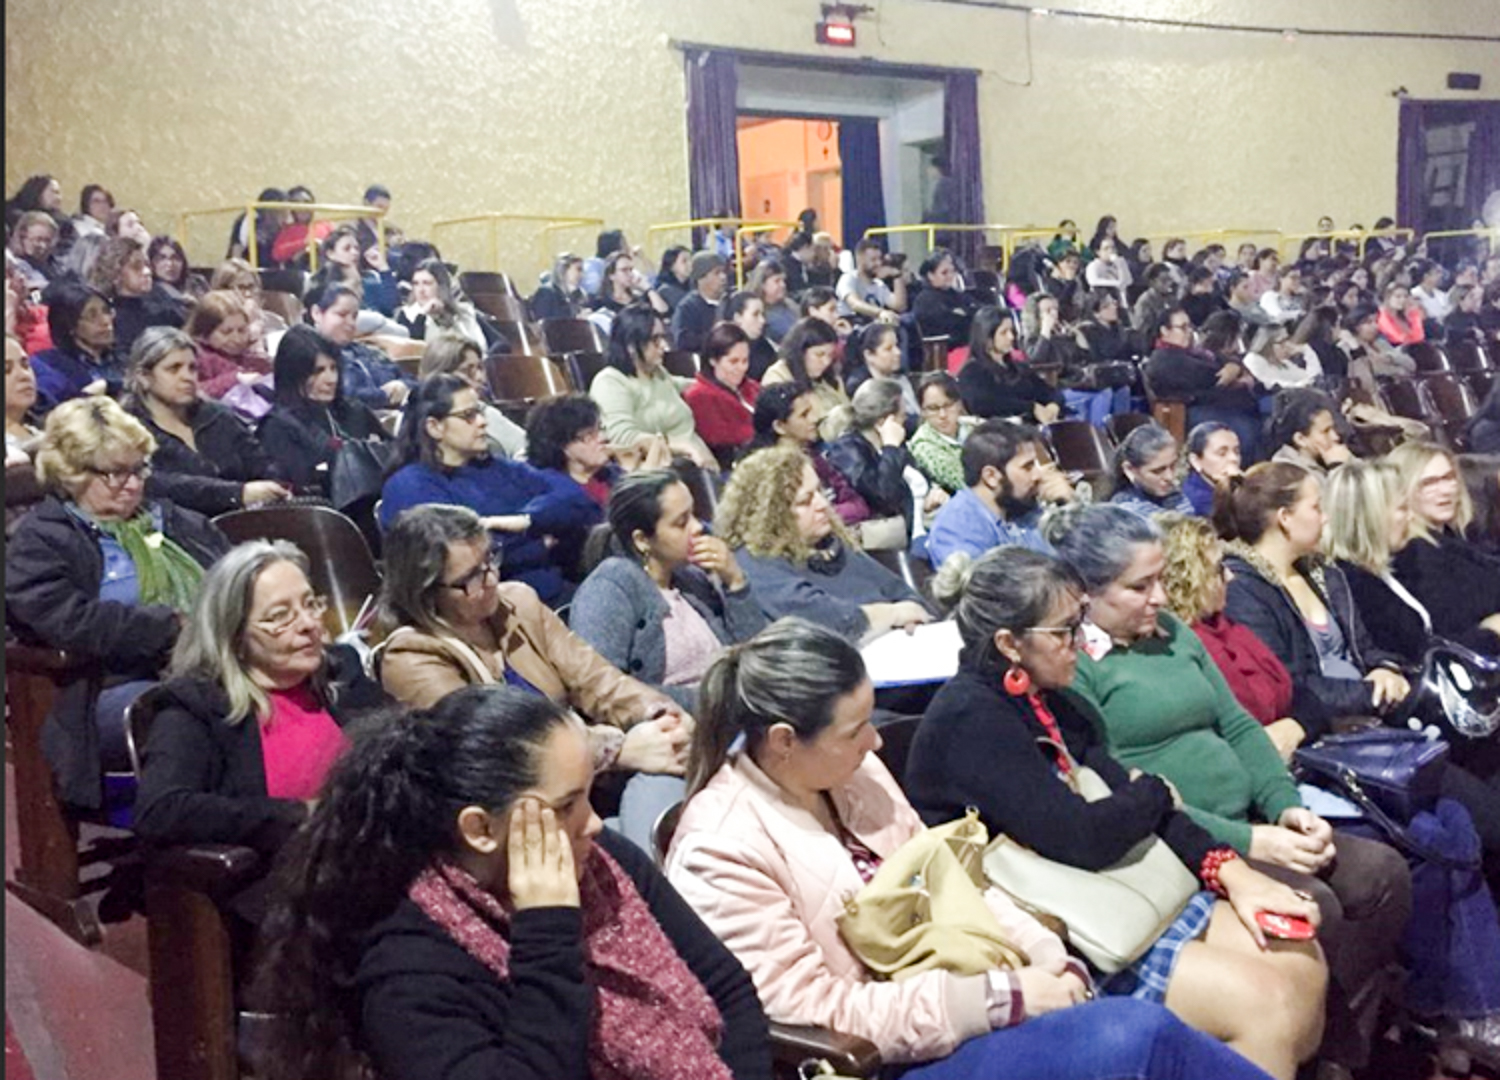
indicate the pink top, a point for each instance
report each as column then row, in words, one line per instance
column 692, row 644
column 299, row 744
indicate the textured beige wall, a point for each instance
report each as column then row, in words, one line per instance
column 576, row 106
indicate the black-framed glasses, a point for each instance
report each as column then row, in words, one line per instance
column 280, row 620
column 1070, row 632
column 469, row 415
column 489, row 570
column 938, row 410
column 115, row 479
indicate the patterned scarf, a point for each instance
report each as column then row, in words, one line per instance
column 653, row 1020
column 167, row 574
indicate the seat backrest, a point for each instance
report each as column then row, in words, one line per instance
column 341, row 564
column 397, row 348
column 520, row 337
column 1482, row 382
column 473, row 282
column 571, row 335
column 1080, row 447
column 1403, row 399
column 1429, row 358
column 896, row 734
column 139, row 715
column 284, row 281
column 583, row 366
column 284, row 304
column 502, row 306
column 1120, row 425
column 702, row 486
column 1449, row 398
column 684, row 363
column 1468, row 355
column 935, row 354
column 526, row 378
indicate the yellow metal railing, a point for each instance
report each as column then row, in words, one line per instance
column 1490, row 235
column 932, row 228
column 550, row 223
column 1291, row 243
column 329, row 212
column 742, row 228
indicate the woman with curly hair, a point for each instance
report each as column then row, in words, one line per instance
column 799, row 557
column 123, row 274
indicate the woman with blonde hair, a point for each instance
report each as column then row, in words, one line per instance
column 1458, row 582
column 451, row 353
column 103, row 574
column 799, row 557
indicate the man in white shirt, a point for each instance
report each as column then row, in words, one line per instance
column 864, row 294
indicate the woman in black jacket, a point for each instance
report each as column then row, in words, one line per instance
column 454, row 907
column 1109, row 339
column 996, row 381
column 984, row 742
column 871, row 454
column 97, row 571
column 206, row 458
column 312, row 417
column 941, row 310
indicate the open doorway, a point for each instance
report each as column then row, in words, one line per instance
column 788, row 164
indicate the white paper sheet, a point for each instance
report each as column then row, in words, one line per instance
column 927, row 655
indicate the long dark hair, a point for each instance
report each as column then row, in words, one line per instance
column 65, row 303
column 806, row 334
column 296, row 356
column 982, row 337
column 635, row 506
column 431, row 400
column 629, row 334
column 775, row 403
column 387, row 812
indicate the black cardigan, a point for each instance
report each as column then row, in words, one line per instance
column 990, row 390
column 1457, row 582
column 211, row 478
column 431, row 1011
column 204, row 781
column 300, row 439
column 979, row 746
column 944, row 313
column 1266, row 609
column 1193, row 376
column 53, row 570
column 875, row 474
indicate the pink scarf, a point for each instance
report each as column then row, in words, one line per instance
column 652, row 1020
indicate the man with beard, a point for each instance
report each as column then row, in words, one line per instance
column 1001, row 503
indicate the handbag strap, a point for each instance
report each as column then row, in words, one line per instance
column 1400, row 835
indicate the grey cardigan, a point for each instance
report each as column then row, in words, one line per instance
column 619, row 611
column 830, row 595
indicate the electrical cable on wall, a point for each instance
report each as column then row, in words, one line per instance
column 1190, row 24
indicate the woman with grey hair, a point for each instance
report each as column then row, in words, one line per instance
column 791, row 811
column 251, row 720
column 454, row 623
column 1146, row 473
column 871, row 452
column 1167, row 710
column 1003, row 736
column 206, row 458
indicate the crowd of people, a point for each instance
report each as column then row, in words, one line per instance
column 665, row 583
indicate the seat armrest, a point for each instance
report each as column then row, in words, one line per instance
column 39, row 660
column 209, row 868
column 850, row 1055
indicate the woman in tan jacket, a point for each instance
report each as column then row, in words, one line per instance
column 456, row 624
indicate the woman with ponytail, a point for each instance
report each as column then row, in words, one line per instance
column 993, row 738
column 791, row 813
column 453, row 908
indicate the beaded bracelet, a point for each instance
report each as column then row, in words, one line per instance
column 1208, row 873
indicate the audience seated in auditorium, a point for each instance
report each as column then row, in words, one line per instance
column 1145, row 470
column 296, row 233
column 1109, row 270
column 1001, row 503
column 1065, row 282
column 669, row 597
column 941, row 309
column 206, row 458
column 94, row 207
column 1302, row 431
column 871, row 456
column 450, row 353
column 1159, row 297
column 433, row 306
column 874, row 351
column 100, row 572
column 84, row 358
column 996, row 379
column 1108, row 338
column 984, row 742
column 446, row 459
column 1239, row 289
column 1228, row 773
column 722, row 396
column 638, row 398
column 1462, row 323
column 936, row 443
column 1047, row 342
column 1287, row 301
column 33, row 239
column 312, row 417
column 874, row 289
column 1213, row 453
column 698, row 311
column 266, row 226
column 21, row 432
column 561, row 297
column 1211, row 379
column 123, row 274
column 790, row 805
column 769, row 282
column 239, row 277
column 1201, row 297
column 454, row 623
column 230, row 363
column 621, row 285
column 809, row 357
column 369, row 376
column 784, row 417
column 1400, row 317
column 800, row 559
column 469, row 914
column 747, row 311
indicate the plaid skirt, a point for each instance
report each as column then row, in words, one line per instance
column 1147, row 977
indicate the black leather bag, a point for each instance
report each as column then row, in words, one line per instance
column 358, row 472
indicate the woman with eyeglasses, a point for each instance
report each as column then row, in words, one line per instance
column 103, row 574
column 1005, row 734
column 639, row 400
column 252, row 718
column 937, row 444
column 242, row 279
column 454, row 623
column 446, row 459
column 83, row 360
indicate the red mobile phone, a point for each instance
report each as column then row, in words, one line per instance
column 1287, row 927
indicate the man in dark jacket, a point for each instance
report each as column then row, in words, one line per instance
column 699, row 310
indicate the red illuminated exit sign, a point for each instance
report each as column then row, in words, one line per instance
column 836, row 33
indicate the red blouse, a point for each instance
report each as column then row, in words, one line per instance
column 722, row 417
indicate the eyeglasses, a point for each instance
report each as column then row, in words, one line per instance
column 469, row 415
column 480, row 576
column 938, row 410
column 1072, row 632
column 280, row 620
column 115, row 479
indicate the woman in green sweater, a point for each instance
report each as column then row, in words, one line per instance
column 1167, row 710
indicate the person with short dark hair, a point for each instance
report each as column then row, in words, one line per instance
column 873, row 290
column 941, row 309
column 563, row 437
column 795, row 256
column 1001, row 503
column 84, row 358
column 698, row 311
column 1146, row 473
column 1160, row 295
column 723, row 394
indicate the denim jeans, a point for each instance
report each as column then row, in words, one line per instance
column 1096, row 406
column 1108, row 1039
column 645, row 798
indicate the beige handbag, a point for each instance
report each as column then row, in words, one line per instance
column 924, row 909
column 883, row 534
column 1113, row 915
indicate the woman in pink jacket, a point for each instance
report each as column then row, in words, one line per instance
column 791, row 813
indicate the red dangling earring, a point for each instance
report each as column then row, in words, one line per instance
column 1017, row 681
